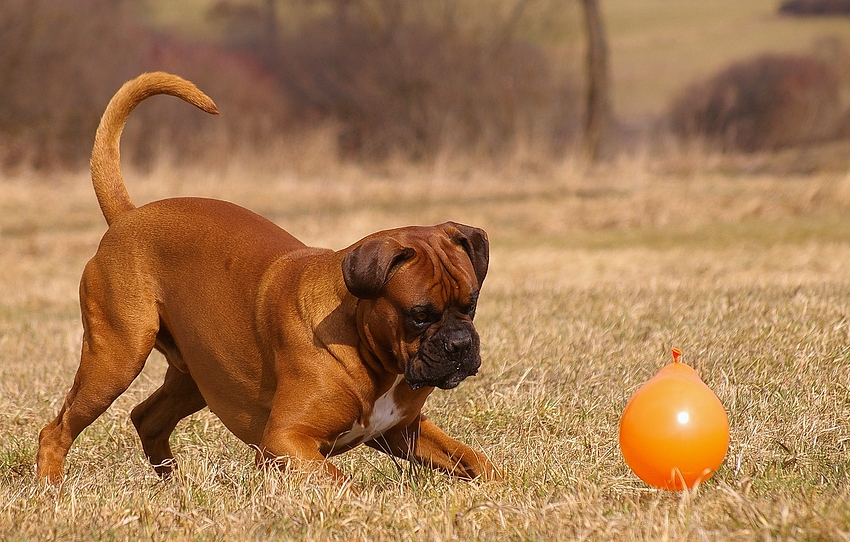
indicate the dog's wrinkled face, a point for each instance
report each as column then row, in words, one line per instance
column 439, row 341
column 417, row 315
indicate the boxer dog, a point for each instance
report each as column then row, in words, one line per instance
column 303, row 353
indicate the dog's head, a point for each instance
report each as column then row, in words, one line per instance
column 418, row 288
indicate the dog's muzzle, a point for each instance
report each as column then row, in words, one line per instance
column 445, row 358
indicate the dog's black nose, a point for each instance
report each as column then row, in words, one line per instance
column 457, row 347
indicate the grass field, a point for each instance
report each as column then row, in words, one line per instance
column 594, row 276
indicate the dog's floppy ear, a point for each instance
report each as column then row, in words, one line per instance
column 474, row 241
column 369, row 266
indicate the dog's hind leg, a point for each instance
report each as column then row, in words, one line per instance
column 117, row 339
column 156, row 417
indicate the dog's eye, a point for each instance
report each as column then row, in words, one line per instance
column 473, row 304
column 420, row 316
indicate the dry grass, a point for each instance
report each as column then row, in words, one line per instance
column 594, row 276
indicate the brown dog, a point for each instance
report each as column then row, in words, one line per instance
column 301, row 352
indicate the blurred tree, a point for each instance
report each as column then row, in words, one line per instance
column 271, row 20
column 598, row 94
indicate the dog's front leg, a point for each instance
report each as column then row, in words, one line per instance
column 425, row 443
column 295, row 449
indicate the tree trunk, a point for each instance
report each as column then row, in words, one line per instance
column 598, row 100
column 272, row 32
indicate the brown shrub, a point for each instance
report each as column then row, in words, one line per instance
column 815, row 7
column 52, row 82
column 253, row 110
column 415, row 85
column 411, row 87
column 770, row 102
column 62, row 61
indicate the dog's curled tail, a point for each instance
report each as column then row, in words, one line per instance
column 106, row 157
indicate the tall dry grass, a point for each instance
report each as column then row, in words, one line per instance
column 595, row 274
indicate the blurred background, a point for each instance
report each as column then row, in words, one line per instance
column 377, row 81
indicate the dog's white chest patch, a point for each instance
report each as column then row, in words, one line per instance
column 385, row 414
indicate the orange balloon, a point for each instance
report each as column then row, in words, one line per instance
column 674, row 432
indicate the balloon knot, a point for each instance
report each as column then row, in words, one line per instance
column 676, row 354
